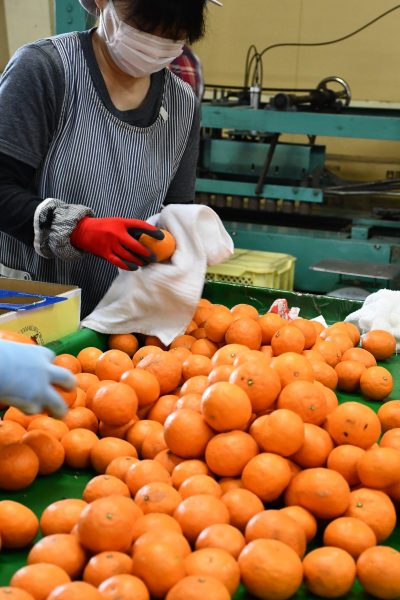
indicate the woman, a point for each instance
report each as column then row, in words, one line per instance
column 96, row 135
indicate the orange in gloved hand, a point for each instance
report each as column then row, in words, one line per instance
column 163, row 249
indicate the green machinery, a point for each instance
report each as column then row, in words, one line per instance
column 70, row 16
column 277, row 196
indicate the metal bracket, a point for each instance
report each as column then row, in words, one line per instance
column 359, row 232
column 369, row 270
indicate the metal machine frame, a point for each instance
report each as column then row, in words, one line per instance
column 362, row 238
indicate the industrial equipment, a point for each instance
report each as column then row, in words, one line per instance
column 275, row 195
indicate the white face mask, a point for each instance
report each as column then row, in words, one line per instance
column 135, row 52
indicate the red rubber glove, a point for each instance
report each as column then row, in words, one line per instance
column 116, row 240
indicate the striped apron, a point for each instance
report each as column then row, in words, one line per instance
column 95, row 159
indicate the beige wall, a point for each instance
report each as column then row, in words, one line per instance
column 23, row 21
column 3, row 36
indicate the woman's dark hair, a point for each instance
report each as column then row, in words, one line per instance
column 175, row 19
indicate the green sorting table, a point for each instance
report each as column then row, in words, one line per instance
column 67, row 483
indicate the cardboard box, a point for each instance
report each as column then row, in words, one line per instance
column 43, row 323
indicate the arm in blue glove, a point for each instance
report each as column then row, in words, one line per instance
column 27, row 376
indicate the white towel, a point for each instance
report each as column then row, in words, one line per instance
column 380, row 310
column 160, row 299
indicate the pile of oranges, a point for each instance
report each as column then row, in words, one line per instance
column 218, row 460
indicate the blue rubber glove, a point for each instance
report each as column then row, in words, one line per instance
column 27, row 375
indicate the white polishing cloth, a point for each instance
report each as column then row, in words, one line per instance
column 380, row 310
column 160, row 299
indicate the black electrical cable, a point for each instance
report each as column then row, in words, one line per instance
column 333, row 192
column 257, row 60
column 346, row 187
column 381, row 184
column 383, row 187
column 257, row 56
column 336, row 40
column 248, row 62
column 258, row 73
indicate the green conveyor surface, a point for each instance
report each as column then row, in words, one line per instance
column 67, row 483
